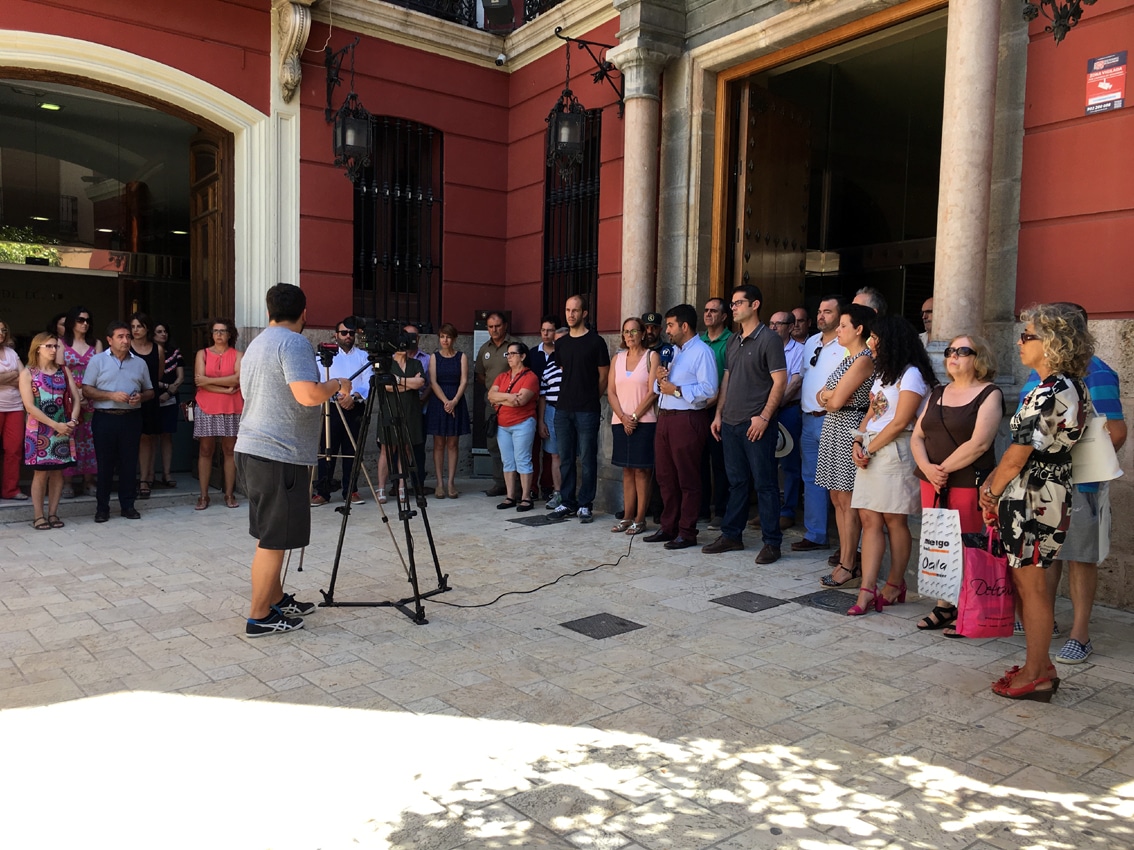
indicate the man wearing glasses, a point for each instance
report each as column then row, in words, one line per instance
column 117, row 382
column 490, row 361
column 348, row 360
column 714, row 495
column 746, row 423
column 821, row 355
column 927, row 320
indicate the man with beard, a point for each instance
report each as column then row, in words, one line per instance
column 344, row 429
column 489, row 363
column 651, row 331
column 821, row 356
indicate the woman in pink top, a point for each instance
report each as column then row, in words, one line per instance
column 216, row 371
column 12, row 418
column 633, row 423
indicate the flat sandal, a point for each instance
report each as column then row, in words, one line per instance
column 621, row 527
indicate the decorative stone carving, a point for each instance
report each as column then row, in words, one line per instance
column 293, row 20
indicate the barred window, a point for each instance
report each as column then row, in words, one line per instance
column 571, row 226
column 397, row 225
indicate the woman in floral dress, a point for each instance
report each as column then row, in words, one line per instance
column 47, row 437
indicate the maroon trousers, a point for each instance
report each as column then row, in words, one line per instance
column 678, row 443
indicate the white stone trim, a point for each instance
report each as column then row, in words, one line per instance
column 254, row 211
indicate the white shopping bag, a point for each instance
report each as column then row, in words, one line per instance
column 940, row 559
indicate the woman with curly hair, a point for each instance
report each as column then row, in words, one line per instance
column 77, row 346
column 1029, row 493
column 885, row 490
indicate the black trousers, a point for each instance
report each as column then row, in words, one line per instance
column 116, row 441
column 340, row 445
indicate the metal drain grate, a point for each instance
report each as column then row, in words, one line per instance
column 538, row 519
column 602, row 626
column 748, row 601
column 835, row 601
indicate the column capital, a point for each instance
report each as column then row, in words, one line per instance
column 293, row 24
column 641, row 67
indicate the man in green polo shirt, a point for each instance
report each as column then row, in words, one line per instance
column 717, row 317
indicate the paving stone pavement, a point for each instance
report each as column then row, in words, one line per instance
column 135, row 713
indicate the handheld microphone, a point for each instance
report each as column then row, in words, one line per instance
column 665, row 355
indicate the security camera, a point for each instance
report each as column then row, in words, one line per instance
column 500, row 59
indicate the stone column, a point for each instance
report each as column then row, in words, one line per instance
column 641, row 69
column 966, row 167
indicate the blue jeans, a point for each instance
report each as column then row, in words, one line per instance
column 515, row 443
column 577, row 437
column 751, row 463
column 816, row 499
column 791, row 464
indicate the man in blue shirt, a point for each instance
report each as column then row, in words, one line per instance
column 1088, row 535
column 686, row 388
column 348, row 360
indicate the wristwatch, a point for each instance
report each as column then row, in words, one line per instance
column 634, row 417
column 677, row 392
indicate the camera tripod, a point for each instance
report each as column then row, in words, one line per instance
column 402, row 471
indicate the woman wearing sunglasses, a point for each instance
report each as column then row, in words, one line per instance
column 78, row 345
column 1028, row 495
column 952, row 444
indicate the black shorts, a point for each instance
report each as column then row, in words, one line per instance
column 279, row 501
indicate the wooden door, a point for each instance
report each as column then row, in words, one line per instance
column 211, row 249
column 774, row 168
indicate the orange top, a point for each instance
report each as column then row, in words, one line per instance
column 212, row 402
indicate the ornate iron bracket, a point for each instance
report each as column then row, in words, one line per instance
column 1063, row 14
column 605, row 70
column 333, row 61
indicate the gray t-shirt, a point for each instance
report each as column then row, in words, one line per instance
column 750, row 361
column 275, row 426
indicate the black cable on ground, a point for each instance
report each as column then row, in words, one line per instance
column 435, row 600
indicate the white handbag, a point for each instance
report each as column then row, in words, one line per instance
column 1093, row 458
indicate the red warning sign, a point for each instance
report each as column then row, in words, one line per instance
column 1106, row 83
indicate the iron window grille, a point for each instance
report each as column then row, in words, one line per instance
column 571, row 226
column 465, row 11
column 398, row 224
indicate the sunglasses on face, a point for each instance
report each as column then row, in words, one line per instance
column 346, row 333
column 962, row 351
column 83, row 320
column 49, row 345
column 1027, row 337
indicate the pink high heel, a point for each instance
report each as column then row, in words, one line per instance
column 900, row 598
column 855, row 611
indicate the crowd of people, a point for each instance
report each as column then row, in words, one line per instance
column 81, row 412
column 866, row 433
column 744, row 425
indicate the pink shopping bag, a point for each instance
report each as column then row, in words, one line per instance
column 987, row 607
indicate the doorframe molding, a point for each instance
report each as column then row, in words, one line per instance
column 726, row 76
column 32, row 55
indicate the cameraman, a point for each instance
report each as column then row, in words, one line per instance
column 348, row 360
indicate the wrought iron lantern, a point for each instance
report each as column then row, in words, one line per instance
column 352, row 136
column 566, row 124
column 1063, row 14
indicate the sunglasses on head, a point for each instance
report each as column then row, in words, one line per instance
column 961, row 351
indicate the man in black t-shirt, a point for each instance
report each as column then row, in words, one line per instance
column 585, row 362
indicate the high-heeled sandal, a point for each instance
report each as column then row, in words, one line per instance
column 943, row 615
column 1052, row 674
column 901, row 597
column 1031, row 690
column 856, row 611
column 829, row 579
column 144, row 489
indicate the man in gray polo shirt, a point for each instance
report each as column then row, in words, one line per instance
column 117, row 382
column 754, row 381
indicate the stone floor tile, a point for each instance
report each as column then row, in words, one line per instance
column 672, row 822
column 1054, row 753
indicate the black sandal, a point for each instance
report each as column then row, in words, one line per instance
column 506, row 504
column 853, row 575
column 144, row 489
column 940, row 617
column 41, row 524
column 525, row 505
column 54, row 521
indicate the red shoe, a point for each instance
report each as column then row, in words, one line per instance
column 1006, row 679
column 901, row 597
column 1029, row 691
column 855, row 611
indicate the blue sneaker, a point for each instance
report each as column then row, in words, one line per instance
column 274, row 624
column 289, row 606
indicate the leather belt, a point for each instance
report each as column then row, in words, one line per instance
column 664, row 412
column 115, row 411
column 814, row 413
